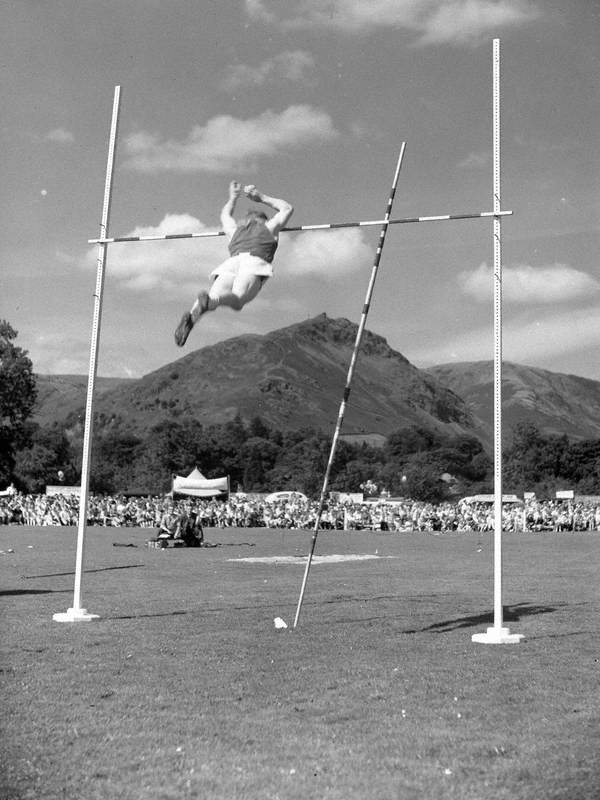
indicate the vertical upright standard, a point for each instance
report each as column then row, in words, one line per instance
column 498, row 634
column 77, row 613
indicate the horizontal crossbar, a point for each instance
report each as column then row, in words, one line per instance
column 326, row 226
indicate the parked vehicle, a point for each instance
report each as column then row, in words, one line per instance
column 285, row 497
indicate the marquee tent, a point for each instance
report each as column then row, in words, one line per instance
column 196, row 485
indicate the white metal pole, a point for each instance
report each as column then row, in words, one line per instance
column 342, row 409
column 498, row 634
column 303, row 228
column 497, row 237
column 77, row 612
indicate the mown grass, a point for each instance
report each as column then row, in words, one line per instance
column 184, row 688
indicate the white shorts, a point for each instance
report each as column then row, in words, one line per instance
column 244, row 264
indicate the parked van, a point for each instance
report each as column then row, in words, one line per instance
column 283, row 497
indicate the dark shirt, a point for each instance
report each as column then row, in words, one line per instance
column 254, row 238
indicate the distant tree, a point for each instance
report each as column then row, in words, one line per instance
column 468, row 445
column 354, row 473
column 532, row 458
column 166, row 450
column 258, row 456
column 114, row 462
column 17, row 397
column 302, row 462
column 220, row 450
column 480, row 468
column 580, row 466
column 423, row 482
column 234, row 432
column 35, row 467
column 432, row 454
column 257, row 427
column 411, row 439
column 48, row 458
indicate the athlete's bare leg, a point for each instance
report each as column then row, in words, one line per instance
column 234, row 291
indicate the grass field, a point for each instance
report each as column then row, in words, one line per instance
column 184, row 688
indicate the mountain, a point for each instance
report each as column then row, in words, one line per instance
column 292, row 378
column 555, row 403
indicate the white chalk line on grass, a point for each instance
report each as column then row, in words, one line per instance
column 332, row 559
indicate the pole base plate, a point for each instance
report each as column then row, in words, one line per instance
column 74, row 615
column 497, row 636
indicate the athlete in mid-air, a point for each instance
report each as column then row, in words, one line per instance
column 252, row 245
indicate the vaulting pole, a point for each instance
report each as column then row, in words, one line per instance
column 77, row 612
column 321, row 227
column 498, row 634
column 342, row 410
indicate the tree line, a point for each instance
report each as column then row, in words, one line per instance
column 414, row 462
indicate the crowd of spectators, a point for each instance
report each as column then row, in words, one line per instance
column 162, row 513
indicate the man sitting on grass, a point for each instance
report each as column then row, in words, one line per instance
column 189, row 531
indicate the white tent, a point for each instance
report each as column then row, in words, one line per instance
column 196, row 485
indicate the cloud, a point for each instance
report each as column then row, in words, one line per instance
column 524, row 340
column 60, row 136
column 292, row 65
column 65, row 258
column 227, row 144
column 475, row 160
column 330, row 254
column 469, row 21
column 539, row 145
column 175, row 268
column 432, row 21
column 556, row 283
column 256, row 10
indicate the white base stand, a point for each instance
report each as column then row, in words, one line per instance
column 74, row 615
column 497, row 636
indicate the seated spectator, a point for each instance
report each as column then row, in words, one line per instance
column 189, row 531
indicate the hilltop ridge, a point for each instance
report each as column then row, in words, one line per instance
column 294, row 378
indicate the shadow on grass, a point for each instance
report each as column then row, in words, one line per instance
column 271, row 607
column 15, row 592
column 159, row 614
column 560, row 635
column 511, row 614
column 62, row 574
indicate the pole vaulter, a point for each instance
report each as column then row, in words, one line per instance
column 496, row 634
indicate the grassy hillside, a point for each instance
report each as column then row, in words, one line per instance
column 554, row 402
column 292, row 378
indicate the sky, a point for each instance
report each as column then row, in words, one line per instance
column 310, row 100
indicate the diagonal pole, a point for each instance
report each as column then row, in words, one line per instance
column 76, row 613
column 342, row 411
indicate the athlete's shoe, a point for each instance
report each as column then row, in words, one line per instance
column 183, row 329
column 201, row 307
